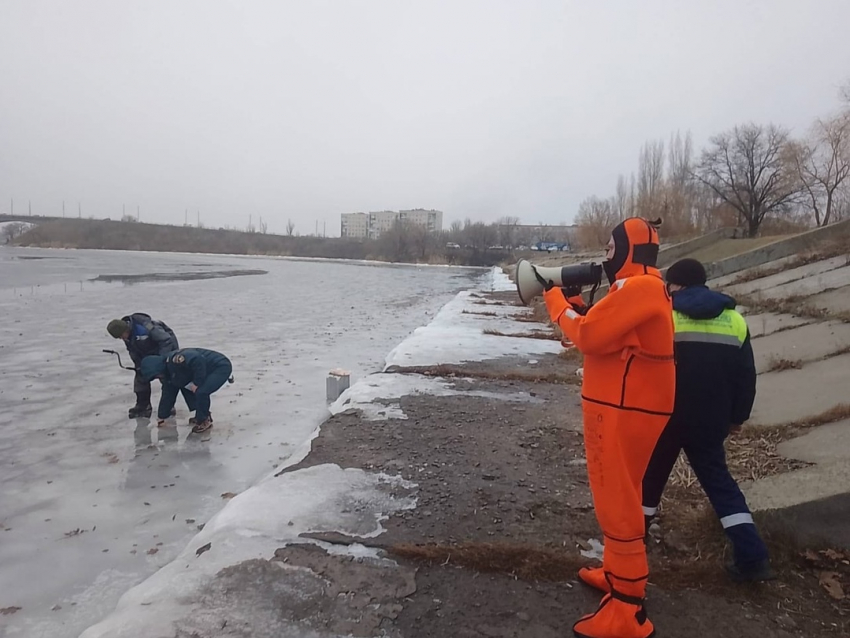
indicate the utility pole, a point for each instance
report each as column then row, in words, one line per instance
column 317, row 228
column 138, row 214
column 13, row 206
column 63, row 209
column 123, row 211
column 186, row 218
column 79, row 210
column 325, row 229
column 30, row 207
column 249, row 223
column 199, row 218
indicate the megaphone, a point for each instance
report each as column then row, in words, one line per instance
column 528, row 286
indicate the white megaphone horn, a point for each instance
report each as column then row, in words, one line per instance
column 529, row 286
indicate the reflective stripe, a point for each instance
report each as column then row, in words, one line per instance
column 649, row 511
column 571, row 314
column 728, row 327
column 736, row 519
column 704, row 337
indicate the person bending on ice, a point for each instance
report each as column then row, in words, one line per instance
column 715, row 391
column 143, row 336
column 627, row 397
column 197, row 370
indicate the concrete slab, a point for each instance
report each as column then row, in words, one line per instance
column 719, row 283
column 824, row 444
column 795, row 394
column 801, row 486
column 808, row 286
column 824, row 522
column 767, row 323
column 786, row 276
column 806, row 343
column 837, row 300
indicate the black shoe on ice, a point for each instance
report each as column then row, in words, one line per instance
column 140, row 412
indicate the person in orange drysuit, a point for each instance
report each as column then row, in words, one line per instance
column 627, row 398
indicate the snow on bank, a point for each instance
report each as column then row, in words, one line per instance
column 365, row 394
column 325, row 498
column 456, row 335
column 253, row 525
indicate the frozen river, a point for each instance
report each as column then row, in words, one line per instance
column 93, row 503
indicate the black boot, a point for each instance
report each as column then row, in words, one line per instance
column 140, row 412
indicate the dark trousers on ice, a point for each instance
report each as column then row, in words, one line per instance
column 704, row 448
column 200, row 401
column 142, row 389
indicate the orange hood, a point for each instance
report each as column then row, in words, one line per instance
column 635, row 249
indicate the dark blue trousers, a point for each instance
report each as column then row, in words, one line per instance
column 216, row 378
column 703, row 446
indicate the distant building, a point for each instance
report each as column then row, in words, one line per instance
column 372, row 225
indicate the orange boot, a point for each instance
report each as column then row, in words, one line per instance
column 620, row 617
column 594, row 577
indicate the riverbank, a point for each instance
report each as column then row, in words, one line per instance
column 447, row 496
column 97, row 234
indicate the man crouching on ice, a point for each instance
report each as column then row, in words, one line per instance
column 627, row 397
column 200, row 371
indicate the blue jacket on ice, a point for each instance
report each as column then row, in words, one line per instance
column 206, row 369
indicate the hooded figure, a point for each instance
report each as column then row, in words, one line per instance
column 195, row 372
column 715, row 392
column 627, row 397
column 143, row 337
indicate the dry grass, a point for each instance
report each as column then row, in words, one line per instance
column 833, row 249
column 549, row 336
column 794, row 305
column 839, row 412
column 482, row 314
column 777, row 364
column 451, row 371
column 571, row 354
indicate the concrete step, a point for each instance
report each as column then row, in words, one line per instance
column 784, row 277
column 837, row 300
column 806, row 343
column 766, row 323
column 810, row 285
column 792, row 395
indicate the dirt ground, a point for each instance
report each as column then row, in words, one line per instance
column 504, row 509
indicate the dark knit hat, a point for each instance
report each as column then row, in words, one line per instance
column 117, row 328
column 686, row 272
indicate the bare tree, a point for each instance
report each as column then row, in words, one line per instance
column 290, row 227
column 677, row 198
column 747, row 168
column 507, row 227
column 621, row 202
column 14, row 229
column 650, row 178
column 822, row 162
column 595, row 219
column 845, row 93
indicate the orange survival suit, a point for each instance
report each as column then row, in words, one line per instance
column 627, row 398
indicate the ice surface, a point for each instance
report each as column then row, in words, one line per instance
column 69, row 464
column 87, row 493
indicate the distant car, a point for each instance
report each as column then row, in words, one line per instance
column 523, row 248
column 451, row 244
column 495, row 248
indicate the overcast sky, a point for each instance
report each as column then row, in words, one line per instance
column 303, row 109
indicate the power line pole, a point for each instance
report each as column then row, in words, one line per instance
column 30, row 207
column 317, row 228
column 138, row 214
column 13, row 206
column 325, row 229
column 186, row 218
column 79, row 210
column 63, row 209
column 199, row 218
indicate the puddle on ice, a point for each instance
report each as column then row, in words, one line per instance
column 177, row 276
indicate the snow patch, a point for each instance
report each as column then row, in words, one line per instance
column 391, row 387
column 267, row 516
column 456, row 335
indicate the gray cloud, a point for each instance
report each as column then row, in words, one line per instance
column 305, row 110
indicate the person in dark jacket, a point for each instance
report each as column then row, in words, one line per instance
column 199, row 371
column 715, row 391
column 143, row 336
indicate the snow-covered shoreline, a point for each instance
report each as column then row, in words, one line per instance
column 283, row 505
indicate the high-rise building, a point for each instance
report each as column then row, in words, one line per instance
column 373, row 224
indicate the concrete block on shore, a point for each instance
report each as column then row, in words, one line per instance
column 805, row 343
column 338, row 382
column 767, row 323
column 792, row 395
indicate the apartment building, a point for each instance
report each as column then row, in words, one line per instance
column 373, row 224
